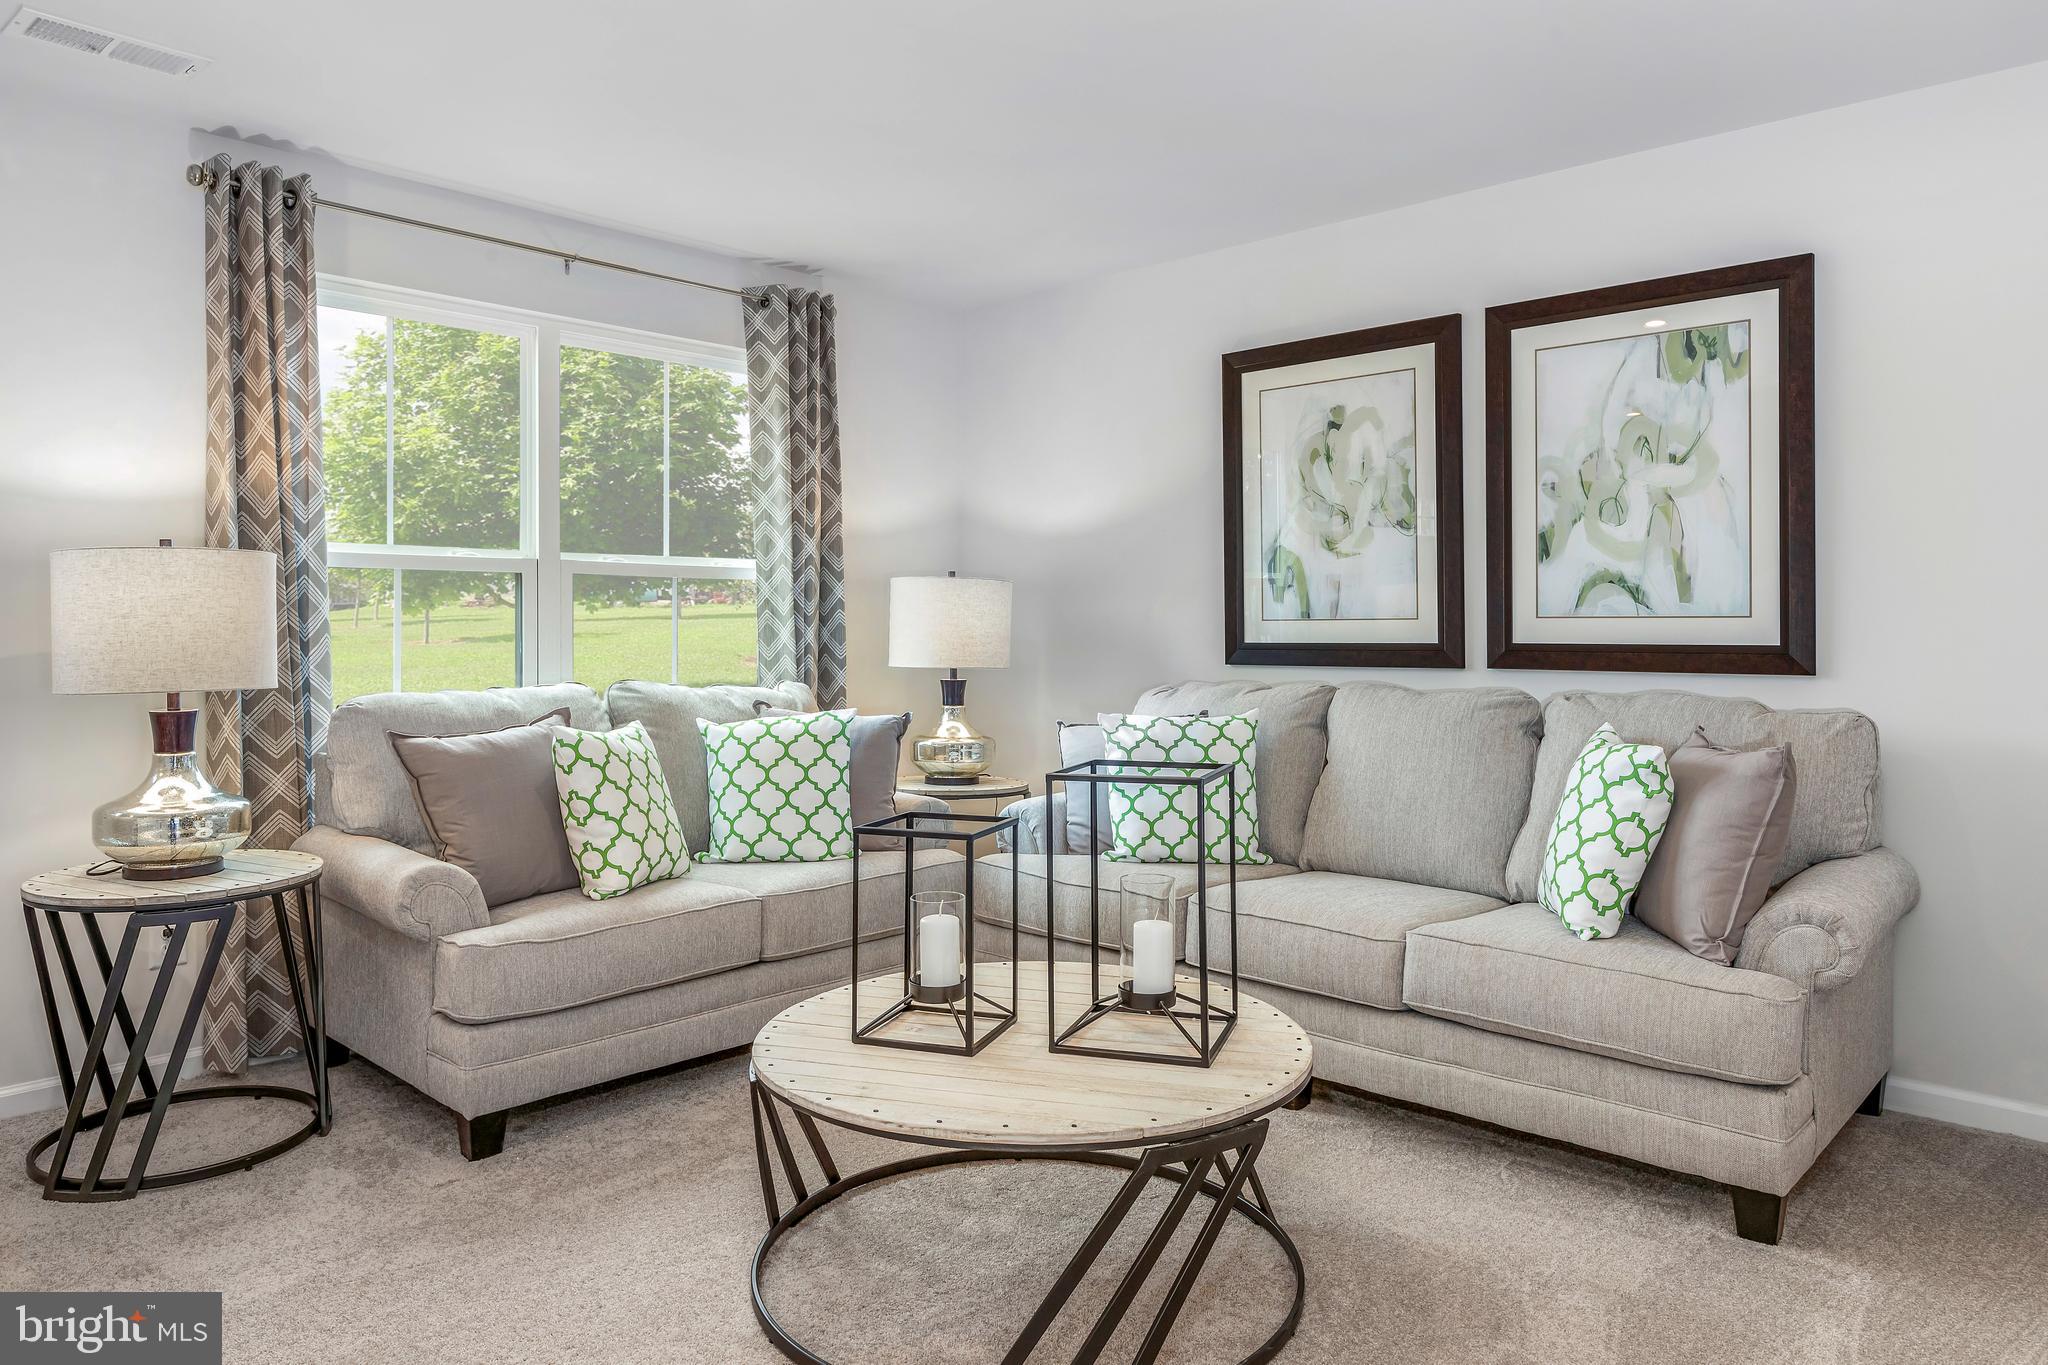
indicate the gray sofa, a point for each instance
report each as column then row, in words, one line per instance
column 488, row 1007
column 1396, row 924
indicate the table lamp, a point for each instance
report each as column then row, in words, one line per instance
column 175, row 620
column 950, row 623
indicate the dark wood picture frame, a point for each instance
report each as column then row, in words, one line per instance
column 1793, row 653
column 1448, row 650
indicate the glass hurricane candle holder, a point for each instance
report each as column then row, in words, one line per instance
column 1145, row 949
column 937, row 950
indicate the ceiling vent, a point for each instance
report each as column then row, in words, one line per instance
column 98, row 42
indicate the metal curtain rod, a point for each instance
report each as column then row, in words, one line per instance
column 204, row 177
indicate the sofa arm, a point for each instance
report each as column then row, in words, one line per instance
column 1816, row 929
column 1041, row 824
column 420, row 897
column 907, row 802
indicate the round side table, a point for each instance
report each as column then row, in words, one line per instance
column 984, row 788
column 156, row 906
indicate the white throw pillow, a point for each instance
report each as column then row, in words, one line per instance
column 781, row 788
column 617, row 811
column 1156, row 823
column 1616, row 803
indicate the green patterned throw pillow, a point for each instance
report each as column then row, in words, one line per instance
column 1156, row 824
column 1616, row 804
column 781, row 788
column 617, row 810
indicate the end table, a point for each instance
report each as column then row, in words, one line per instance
column 983, row 788
column 176, row 906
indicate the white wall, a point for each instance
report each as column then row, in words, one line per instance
column 102, row 421
column 1092, row 422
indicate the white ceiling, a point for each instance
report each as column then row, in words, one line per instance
column 966, row 151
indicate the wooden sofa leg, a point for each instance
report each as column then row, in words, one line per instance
column 1759, row 1217
column 482, row 1136
column 1873, row 1103
column 338, row 1054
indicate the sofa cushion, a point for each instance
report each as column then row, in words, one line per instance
column 804, row 905
column 671, row 713
column 1427, row 787
column 367, row 790
column 1835, row 812
column 1637, row 996
column 1070, row 892
column 1332, row 934
column 1292, row 744
column 561, row 950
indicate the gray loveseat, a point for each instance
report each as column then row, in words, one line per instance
column 1396, row 924
column 487, row 1007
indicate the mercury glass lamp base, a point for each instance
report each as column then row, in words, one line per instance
column 954, row 752
column 177, row 823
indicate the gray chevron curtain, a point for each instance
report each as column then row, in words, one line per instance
column 793, row 429
column 264, row 491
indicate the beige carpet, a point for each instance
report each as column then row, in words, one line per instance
column 619, row 1228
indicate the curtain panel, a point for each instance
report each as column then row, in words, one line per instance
column 264, row 491
column 793, row 431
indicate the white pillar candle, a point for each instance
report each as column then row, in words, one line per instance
column 1152, row 957
column 938, row 951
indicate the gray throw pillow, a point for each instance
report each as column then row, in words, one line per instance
column 490, row 806
column 877, row 744
column 1079, row 742
column 1731, row 814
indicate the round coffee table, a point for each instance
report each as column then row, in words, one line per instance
column 1198, row 1128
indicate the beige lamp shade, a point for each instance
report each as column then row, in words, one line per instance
column 949, row 623
column 169, row 618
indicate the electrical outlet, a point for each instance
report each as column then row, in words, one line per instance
column 155, row 948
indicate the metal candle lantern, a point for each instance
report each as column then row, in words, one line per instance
column 938, row 975
column 1192, row 1030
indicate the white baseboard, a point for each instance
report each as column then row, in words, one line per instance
column 32, row 1097
column 1967, row 1107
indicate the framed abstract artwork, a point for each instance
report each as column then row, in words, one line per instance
column 1649, row 475
column 1342, row 543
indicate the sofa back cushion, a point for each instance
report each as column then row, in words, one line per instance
column 1292, row 744
column 671, row 713
column 1425, row 786
column 1834, row 811
column 364, row 789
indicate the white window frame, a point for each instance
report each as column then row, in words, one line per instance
column 547, row 603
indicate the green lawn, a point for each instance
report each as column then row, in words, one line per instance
column 478, row 647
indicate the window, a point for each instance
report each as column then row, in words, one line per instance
column 513, row 497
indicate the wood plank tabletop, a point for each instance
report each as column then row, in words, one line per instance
column 983, row 788
column 249, row 872
column 1016, row 1093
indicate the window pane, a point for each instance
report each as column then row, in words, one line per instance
column 455, row 441
column 359, row 631
column 611, row 454
column 694, row 631
column 710, row 505
column 460, row 630
column 352, row 426
column 715, row 638
column 622, row 630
